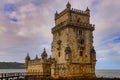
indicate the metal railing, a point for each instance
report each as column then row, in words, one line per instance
column 12, row 76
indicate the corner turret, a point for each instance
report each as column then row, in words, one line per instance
column 93, row 55
column 87, row 11
column 56, row 13
column 68, row 5
column 27, row 59
column 44, row 54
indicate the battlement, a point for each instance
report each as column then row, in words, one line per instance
column 67, row 23
column 72, row 10
column 79, row 11
column 39, row 61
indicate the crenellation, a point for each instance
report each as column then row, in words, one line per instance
column 76, row 32
column 78, row 11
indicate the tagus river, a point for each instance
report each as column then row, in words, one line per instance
column 99, row 73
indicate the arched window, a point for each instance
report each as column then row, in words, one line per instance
column 78, row 20
column 59, row 54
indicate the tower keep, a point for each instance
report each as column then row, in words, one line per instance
column 73, row 53
column 72, row 45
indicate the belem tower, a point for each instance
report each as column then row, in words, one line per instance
column 73, row 53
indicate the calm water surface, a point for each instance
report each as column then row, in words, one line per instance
column 11, row 70
column 108, row 73
column 99, row 73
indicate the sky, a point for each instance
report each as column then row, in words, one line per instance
column 25, row 27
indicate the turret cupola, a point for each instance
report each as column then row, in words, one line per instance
column 87, row 11
column 27, row 58
column 44, row 54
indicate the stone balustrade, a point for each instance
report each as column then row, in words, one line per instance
column 80, row 24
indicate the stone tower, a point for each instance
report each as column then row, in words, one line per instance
column 72, row 45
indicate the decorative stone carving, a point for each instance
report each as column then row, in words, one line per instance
column 59, row 42
column 68, row 53
column 67, row 60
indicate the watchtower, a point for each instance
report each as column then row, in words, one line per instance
column 72, row 45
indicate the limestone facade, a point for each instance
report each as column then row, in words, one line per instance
column 73, row 53
column 38, row 66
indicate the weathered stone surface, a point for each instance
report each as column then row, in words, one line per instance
column 74, row 30
column 73, row 53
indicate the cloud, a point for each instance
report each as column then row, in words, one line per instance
column 106, row 19
column 25, row 26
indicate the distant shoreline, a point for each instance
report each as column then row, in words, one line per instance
column 11, row 65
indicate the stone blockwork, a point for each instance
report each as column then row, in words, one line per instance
column 38, row 66
column 72, row 45
column 73, row 53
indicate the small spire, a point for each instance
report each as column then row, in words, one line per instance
column 44, row 54
column 68, row 5
column 44, row 50
column 87, row 9
column 56, row 13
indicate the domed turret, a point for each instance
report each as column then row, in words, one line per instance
column 44, row 54
column 27, row 59
column 87, row 11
